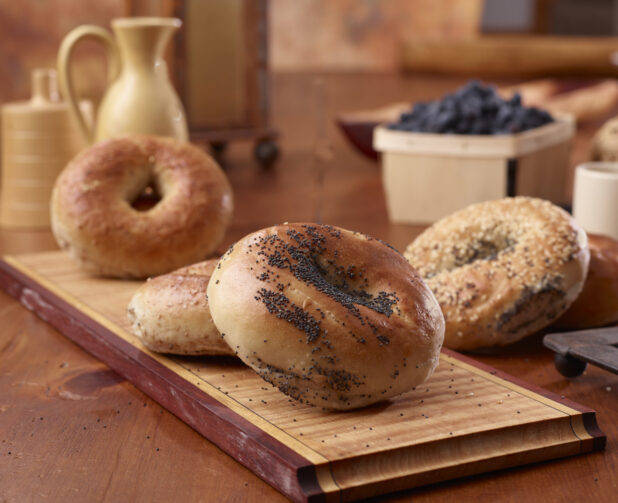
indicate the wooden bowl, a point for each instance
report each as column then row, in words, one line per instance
column 358, row 126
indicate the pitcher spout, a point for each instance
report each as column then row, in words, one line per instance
column 142, row 40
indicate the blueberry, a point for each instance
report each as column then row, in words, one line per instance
column 419, row 108
column 463, row 126
column 491, row 105
column 515, row 100
column 504, row 115
column 445, row 120
column 474, row 108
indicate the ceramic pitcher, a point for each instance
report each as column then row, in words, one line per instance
column 140, row 97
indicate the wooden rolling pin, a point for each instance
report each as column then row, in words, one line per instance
column 511, row 55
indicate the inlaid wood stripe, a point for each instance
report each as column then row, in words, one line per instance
column 492, row 375
column 317, row 470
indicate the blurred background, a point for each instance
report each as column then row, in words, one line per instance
column 313, row 77
column 303, row 35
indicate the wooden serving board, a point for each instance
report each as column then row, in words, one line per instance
column 466, row 419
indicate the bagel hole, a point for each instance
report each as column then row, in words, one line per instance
column 146, row 199
column 483, row 249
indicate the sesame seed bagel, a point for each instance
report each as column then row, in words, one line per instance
column 597, row 304
column 170, row 313
column 331, row 317
column 501, row 270
column 93, row 218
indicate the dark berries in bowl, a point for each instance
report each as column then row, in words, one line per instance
column 473, row 109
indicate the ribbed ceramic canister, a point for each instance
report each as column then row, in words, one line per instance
column 39, row 137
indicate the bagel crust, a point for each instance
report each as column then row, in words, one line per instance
column 331, row 317
column 501, row 270
column 92, row 217
column 170, row 313
column 597, row 304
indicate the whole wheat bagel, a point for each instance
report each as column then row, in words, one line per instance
column 170, row 313
column 93, row 219
column 605, row 142
column 501, row 269
column 597, row 304
column 331, row 317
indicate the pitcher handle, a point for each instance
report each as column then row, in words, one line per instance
column 64, row 78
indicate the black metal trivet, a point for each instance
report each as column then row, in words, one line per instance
column 574, row 350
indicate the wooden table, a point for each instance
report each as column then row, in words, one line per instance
column 72, row 430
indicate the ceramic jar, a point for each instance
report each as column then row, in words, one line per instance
column 39, row 137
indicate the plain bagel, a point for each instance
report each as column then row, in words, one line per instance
column 501, row 269
column 170, row 313
column 93, row 219
column 331, row 317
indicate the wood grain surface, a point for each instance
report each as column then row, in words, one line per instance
column 463, row 420
column 73, row 430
